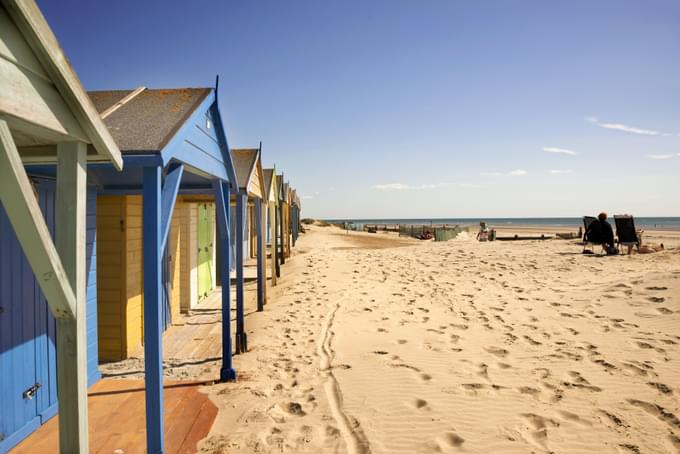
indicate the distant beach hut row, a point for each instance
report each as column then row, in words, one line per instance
column 121, row 210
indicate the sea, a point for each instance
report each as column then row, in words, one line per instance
column 661, row 223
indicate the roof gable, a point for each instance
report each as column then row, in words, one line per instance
column 249, row 171
column 270, row 185
column 148, row 121
column 52, row 105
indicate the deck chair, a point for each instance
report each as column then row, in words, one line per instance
column 592, row 233
column 626, row 232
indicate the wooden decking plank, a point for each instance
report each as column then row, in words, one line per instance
column 184, row 419
column 201, row 428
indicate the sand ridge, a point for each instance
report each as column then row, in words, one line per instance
column 458, row 347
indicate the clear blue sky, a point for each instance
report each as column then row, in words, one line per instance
column 419, row 109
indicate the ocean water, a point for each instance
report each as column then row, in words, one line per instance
column 667, row 223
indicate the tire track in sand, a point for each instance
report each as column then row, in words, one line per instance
column 355, row 439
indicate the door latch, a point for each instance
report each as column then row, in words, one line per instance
column 30, row 392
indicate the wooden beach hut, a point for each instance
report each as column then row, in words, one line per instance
column 286, row 220
column 281, row 222
column 272, row 198
column 47, row 233
column 251, row 186
column 294, row 216
column 173, row 144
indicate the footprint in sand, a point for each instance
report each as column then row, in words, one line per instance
column 450, row 440
column 418, row 403
column 658, row 411
column 536, row 427
column 497, row 351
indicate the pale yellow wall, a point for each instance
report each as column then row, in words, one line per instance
column 175, row 262
column 110, row 279
column 134, row 301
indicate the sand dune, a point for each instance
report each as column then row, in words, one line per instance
column 458, row 347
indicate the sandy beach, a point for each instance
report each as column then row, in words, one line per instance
column 372, row 343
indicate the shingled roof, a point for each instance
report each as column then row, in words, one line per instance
column 147, row 122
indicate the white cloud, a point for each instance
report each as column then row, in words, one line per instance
column 660, row 156
column 624, row 128
column 307, row 197
column 512, row 173
column 518, row 172
column 558, row 172
column 558, row 150
column 407, row 187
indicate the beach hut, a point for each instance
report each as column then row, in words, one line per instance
column 47, row 241
column 281, row 222
column 286, row 220
column 272, row 198
column 251, row 186
column 173, row 143
column 295, row 216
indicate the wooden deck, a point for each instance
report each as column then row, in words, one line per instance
column 117, row 419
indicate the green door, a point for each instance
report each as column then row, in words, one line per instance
column 205, row 250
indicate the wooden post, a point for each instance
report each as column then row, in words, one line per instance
column 277, row 236
column 71, row 219
column 261, row 280
column 153, row 309
column 282, row 220
column 227, row 371
column 272, row 228
column 241, row 204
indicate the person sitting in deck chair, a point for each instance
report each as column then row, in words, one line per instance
column 600, row 232
column 483, row 234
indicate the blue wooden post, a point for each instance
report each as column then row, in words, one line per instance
column 260, row 259
column 227, row 371
column 153, row 320
column 241, row 338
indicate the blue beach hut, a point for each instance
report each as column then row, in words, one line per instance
column 47, row 236
column 172, row 143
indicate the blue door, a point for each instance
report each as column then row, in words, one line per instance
column 28, row 379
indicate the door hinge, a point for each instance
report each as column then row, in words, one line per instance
column 30, row 392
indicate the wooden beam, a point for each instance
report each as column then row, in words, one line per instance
column 227, row 371
column 153, row 309
column 37, row 32
column 71, row 220
column 261, row 278
column 18, row 199
column 241, row 338
column 126, row 99
column 168, row 199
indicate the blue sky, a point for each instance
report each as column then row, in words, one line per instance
column 419, row 109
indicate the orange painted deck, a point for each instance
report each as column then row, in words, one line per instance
column 117, row 419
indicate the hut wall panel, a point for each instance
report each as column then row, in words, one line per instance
column 192, row 249
column 110, row 277
column 27, row 327
column 134, row 281
column 174, row 256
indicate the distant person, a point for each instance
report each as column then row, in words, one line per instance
column 483, row 234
